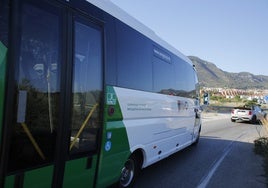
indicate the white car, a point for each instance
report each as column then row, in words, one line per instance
column 251, row 114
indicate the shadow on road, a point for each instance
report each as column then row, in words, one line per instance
column 241, row 167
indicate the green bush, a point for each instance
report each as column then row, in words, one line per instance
column 261, row 146
column 251, row 103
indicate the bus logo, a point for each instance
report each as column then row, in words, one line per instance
column 111, row 99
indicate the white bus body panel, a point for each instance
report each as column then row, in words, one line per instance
column 158, row 124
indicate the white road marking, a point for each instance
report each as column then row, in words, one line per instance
column 216, row 164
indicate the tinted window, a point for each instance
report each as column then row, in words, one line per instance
column 185, row 79
column 38, row 90
column 87, row 88
column 134, row 59
column 143, row 65
column 163, row 76
column 197, row 86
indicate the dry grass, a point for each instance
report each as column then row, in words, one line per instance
column 264, row 122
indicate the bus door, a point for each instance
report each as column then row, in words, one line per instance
column 51, row 117
column 87, row 87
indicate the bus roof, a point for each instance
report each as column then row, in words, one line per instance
column 120, row 14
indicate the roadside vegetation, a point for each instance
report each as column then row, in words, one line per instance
column 232, row 102
column 220, row 100
column 261, row 147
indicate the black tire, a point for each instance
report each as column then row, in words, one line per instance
column 253, row 120
column 130, row 171
column 197, row 139
column 233, row 120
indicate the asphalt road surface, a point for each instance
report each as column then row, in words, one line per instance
column 223, row 158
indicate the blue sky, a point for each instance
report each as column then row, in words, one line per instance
column 233, row 34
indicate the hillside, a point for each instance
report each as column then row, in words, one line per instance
column 211, row 76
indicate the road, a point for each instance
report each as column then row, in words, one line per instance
column 223, row 158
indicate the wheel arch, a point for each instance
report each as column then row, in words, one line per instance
column 139, row 154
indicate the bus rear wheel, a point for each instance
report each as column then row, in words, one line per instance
column 129, row 172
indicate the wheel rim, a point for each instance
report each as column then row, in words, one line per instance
column 127, row 173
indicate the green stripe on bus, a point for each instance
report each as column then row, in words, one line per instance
column 115, row 146
column 112, row 108
column 10, row 181
column 76, row 175
column 41, row 177
column 114, row 154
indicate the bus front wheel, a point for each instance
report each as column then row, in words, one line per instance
column 129, row 172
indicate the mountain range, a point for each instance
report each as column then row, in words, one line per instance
column 210, row 75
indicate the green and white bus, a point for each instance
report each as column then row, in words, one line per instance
column 88, row 95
